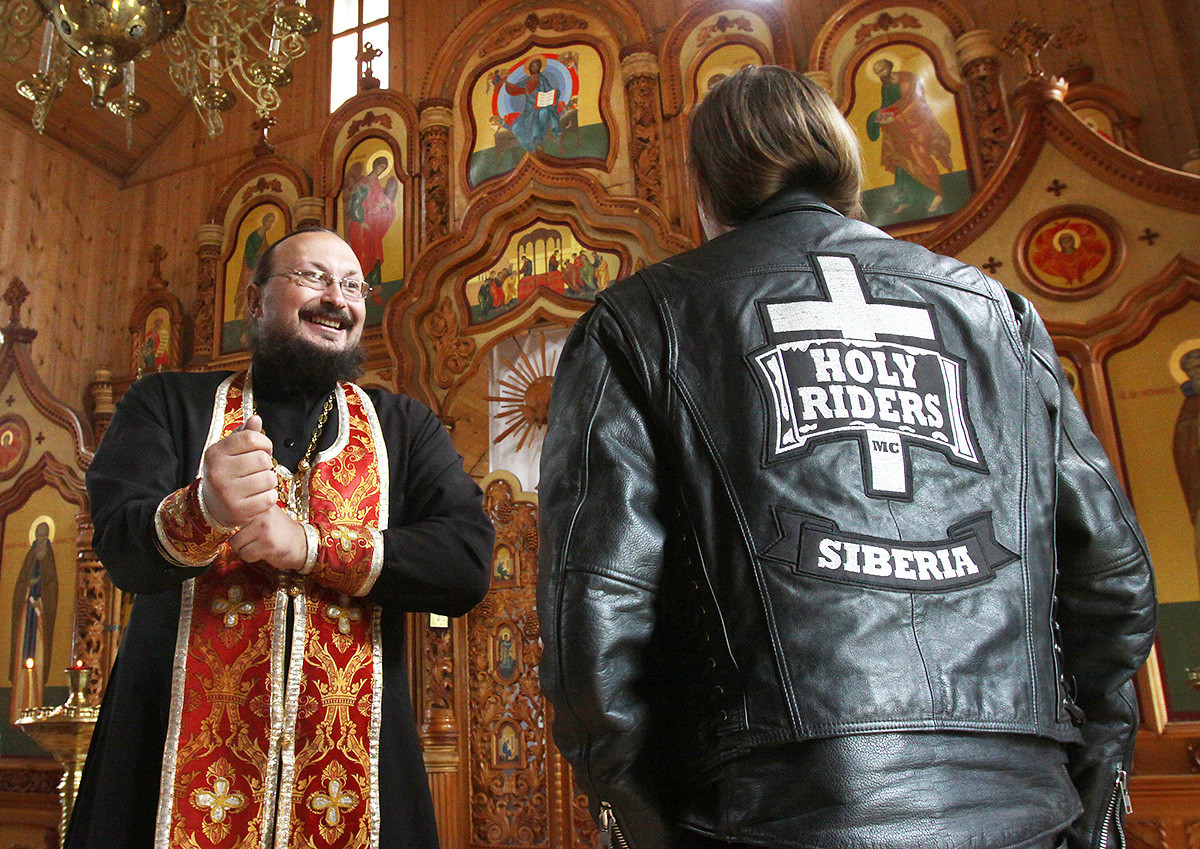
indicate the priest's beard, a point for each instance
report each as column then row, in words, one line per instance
column 285, row 365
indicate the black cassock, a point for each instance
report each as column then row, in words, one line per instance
column 437, row 556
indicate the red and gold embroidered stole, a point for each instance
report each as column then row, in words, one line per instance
column 256, row 757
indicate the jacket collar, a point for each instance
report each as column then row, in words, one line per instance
column 792, row 200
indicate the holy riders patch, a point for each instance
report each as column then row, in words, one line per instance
column 828, row 375
column 841, row 381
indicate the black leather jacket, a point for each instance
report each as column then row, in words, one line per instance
column 806, row 482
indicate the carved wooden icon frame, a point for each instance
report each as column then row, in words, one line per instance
column 43, row 482
column 707, row 28
column 267, row 184
column 1108, row 112
column 258, row 224
column 156, row 326
column 564, row 57
column 433, row 318
column 506, row 654
column 1070, row 252
column 898, row 143
column 369, row 125
column 14, row 444
column 1141, row 395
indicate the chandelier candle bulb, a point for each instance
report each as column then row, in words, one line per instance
column 47, row 47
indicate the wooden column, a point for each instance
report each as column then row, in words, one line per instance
column 97, row 612
column 979, row 56
column 442, row 695
column 209, row 238
column 639, row 68
column 434, row 127
column 98, row 621
column 310, row 212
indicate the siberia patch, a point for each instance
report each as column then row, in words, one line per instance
column 828, row 375
column 968, row 555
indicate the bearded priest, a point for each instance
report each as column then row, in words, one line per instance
column 275, row 525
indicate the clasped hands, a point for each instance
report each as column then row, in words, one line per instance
column 238, row 481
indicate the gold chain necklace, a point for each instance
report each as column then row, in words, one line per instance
column 292, row 495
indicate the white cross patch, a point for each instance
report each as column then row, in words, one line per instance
column 842, row 381
column 847, row 311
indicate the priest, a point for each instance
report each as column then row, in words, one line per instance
column 275, row 525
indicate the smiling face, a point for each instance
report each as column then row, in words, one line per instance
column 326, row 321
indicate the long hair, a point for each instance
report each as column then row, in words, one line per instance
column 763, row 129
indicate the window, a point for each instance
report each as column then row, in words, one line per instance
column 356, row 23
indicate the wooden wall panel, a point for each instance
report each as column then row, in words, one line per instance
column 168, row 208
column 1133, row 44
column 1185, row 29
column 60, row 233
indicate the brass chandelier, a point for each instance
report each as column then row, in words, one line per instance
column 215, row 49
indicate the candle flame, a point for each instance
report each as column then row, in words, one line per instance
column 29, row 663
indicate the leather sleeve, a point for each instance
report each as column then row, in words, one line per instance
column 1106, row 606
column 601, row 558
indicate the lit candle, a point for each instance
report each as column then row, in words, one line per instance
column 30, row 678
column 47, row 46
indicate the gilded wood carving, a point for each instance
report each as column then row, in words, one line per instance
column 521, row 789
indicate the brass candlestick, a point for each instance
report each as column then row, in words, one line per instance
column 65, row 732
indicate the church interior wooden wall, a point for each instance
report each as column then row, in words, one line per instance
column 80, row 231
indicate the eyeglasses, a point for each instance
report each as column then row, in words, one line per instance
column 353, row 288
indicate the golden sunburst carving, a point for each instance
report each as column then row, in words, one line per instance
column 525, row 397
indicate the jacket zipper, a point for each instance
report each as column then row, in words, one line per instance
column 610, row 833
column 1120, row 794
